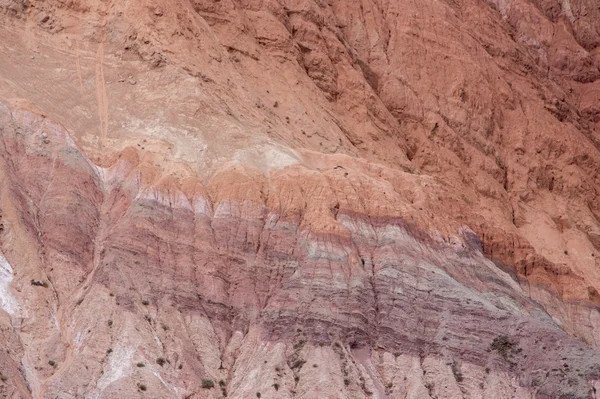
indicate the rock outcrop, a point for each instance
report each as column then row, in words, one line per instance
column 300, row 199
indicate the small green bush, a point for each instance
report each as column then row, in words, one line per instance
column 207, row 384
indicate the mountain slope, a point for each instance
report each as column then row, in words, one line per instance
column 341, row 199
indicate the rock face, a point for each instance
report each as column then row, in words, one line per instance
column 300, row 199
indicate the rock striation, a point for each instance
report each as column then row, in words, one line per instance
column 300, row 199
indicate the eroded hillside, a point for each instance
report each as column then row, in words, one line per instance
column 300, row 199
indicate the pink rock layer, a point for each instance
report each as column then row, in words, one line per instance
column 126, row 285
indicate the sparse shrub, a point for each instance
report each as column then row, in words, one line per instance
column 504, row 346
column 207, row 383
column 314, row 365
column 145, row 302
column 180, row 366
column 165, row 327
column 457, row 373
column 52, row 363
column 3, row 378
column 275, row 104
column 258, row 394
column 276, row 386
column 109, row 351
column 487, row 370
column 161, row 361
column 110, row 323
column 111, row 294
column 142, row 387
column 221, row 383
column 140, row 364
column 429, row 387
column 346, row 381
column 298, row 364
